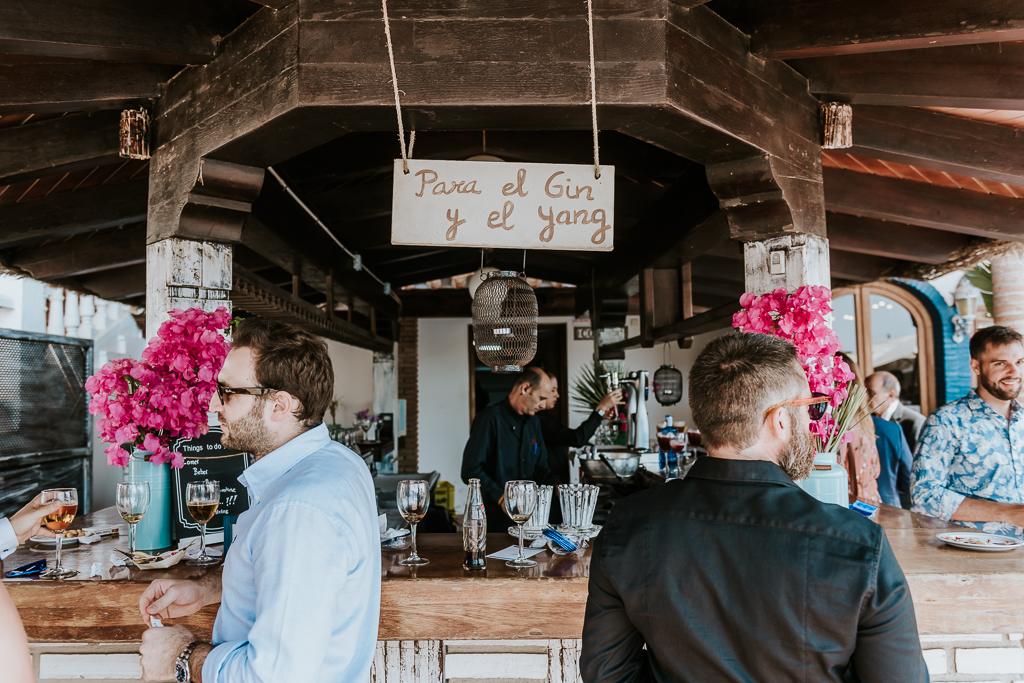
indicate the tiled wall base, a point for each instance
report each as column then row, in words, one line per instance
column 978, row 658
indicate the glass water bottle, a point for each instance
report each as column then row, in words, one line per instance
column 474, row 529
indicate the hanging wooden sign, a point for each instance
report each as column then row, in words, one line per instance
column 503, row 205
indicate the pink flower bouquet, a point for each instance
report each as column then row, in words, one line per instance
column 800, row 318
column 165, row 396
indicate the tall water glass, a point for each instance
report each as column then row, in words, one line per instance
column 520, row 501
column 132, row 500
column 58, row 522
column 413, row 501
column 202, row 499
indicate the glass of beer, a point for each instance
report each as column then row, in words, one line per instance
column 58, row 523
column 132, row 502
column 202, row 499
column 413, row 501
column 520, row 501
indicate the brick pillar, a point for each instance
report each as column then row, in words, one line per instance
column 1008, row 288
column 408, row 389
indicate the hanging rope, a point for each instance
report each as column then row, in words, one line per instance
column 394, row 83
column 593, row 85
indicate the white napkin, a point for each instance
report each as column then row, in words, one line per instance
column 90, row 539
column 389, row 534
column 512, row 553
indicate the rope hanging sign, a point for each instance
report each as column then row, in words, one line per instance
column 502, row 205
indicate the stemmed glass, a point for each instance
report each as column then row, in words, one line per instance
column 202, row 499
column 132, row 502
column 520, row 501
column 58, row 522
column 413, row 501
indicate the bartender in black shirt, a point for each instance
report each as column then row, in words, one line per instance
column 559, row 439
column 505, row 444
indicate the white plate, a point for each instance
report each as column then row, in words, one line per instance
column 991, row 543
column 43, row 540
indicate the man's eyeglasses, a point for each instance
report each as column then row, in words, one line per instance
column 224, row 392
column 817, row 404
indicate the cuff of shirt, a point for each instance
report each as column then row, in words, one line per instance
column 947, row 503
column 215, row 660
column 8, row 539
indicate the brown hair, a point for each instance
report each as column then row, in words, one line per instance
column 735, row 379
column 291, row 359
column 996, row 335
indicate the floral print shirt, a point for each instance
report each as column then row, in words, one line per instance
column 966, row 449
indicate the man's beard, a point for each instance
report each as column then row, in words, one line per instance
column 249, row 433
column 797, row 457
column 998, row 391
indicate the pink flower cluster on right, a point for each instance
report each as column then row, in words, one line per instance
column 147, row 403
column 800, row 318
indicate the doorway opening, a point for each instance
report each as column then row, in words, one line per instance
column 487, row 387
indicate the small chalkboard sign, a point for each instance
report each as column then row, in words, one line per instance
column 207, row 458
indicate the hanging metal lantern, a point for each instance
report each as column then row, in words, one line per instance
column 668, row 385
column 505, row 321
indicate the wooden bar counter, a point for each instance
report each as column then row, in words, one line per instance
column 955, row 591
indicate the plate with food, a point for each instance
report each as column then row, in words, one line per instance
column 992, row 543
column 71, row 537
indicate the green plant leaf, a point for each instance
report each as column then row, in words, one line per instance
column 981, row 277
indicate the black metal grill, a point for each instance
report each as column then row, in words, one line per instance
column 44, row 421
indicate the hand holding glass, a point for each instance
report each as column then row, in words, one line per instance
column 520, row 501
column 202, row 499
column 58, row 523
column 413, row 501
column 132, row 502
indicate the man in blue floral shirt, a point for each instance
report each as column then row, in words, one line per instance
column 969, row 465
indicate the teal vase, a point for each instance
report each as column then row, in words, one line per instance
column 153, row 532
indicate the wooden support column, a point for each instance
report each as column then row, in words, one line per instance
column 799, row 260
column 184, row 273
column 1008, row 288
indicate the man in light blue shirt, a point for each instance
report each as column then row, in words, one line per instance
column 300, row 590
column 969, row 465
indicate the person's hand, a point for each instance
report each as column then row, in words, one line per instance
column 27, row 521
column 169, row 598
column 608, row 403
column 160, row 649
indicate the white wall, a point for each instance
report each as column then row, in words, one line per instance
column 23, row 305
column 444, row 389
column 353, row 380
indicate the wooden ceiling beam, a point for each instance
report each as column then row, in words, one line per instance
column 925, row 205
column 84, row 255
column 940, row 142
column 973, row 76
column 36, row 85
column 846, row 265
column 59, row 145
column 71, row 213
column 182, row 32
column 891, row 239
column 783, row 29
column 118, row 284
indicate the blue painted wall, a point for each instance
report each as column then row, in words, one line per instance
column 952, row 360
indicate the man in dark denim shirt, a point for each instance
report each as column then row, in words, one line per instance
column 737, row 574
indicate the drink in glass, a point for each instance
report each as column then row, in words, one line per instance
column 202, row 499
column 413, row 500
column 520, row 500
column 58, row 522
column 132, row 500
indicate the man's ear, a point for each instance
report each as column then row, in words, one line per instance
column 283, row 405
column 975, row 366
column 779, row 423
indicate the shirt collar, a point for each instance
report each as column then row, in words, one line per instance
column 259, row 476
column 891, row 410
column 723, row 469
column 978, row 405
column 512, row 411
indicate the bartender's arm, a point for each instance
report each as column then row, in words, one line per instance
column 482, row 438
column 557, row 434
column 928, row 477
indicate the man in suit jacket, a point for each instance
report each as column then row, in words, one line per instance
column 884, row 394
column 735, row 573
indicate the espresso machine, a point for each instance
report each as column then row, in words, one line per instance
column 637, row 385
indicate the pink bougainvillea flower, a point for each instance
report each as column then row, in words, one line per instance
column 166, row 395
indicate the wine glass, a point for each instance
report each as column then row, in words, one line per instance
column 58, row 522
column 132, row 501
column 520, row 501
column 413, row 501
column 202, row 499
